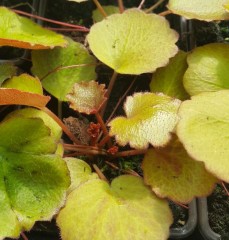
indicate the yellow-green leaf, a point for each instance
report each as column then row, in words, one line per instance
column 33, row 179
column 109, row 10
column 172, row 173
column 87, row 97
column 204, row 129
column 60, row 68
column 125, row 210
column 150, row 119
column 116, row 41
column 7, row 70
column 80, row 172
column 207, row 69
column 25, row 83
column 207, row 10
column 169, row 79
column 21, row 32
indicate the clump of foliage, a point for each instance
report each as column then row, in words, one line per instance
column 180, row 127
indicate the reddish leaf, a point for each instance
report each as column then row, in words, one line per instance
column 12, row 96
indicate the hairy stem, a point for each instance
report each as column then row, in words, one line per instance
column 24, row 236
column 226, row 190
column 130, row 171
column 85, row 150
column 52, row 21
column 121, row 6
column 104, row 141
column 100, row 8
column 121, row 99
column 103, row 126
column 61, row 124
column 130, row 153
column 154, row 6
column 109, row 89
column 167, row 12
column 141, row 4
column 99, row 172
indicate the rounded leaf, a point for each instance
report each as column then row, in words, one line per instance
column 150, row 120
column 204, row 129
column 33, row 180
column 56, row 130
column 170, row 82
column 109, row 10
column 207, row 69
column 25, row 83
column 17, row 31
column 125, row 210
column 10, row 96
column 7, row 70
column 80, row 172
column 172, row 173
column 207, row 10
column 133, row 42
column 87, row 97
column 55, row 68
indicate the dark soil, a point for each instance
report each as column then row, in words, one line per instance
column 218, row 210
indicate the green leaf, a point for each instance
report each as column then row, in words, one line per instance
column 25, row 83
column 206, row 10
column 21, row 32
column 204, row 129
column 56, row 130
column 115, row 41
column 170, row 171
column 170, row 81
column 87, row 97
column 125, row 210
column 150, row 119
column 33, row 180
column 207, row 69
column 109, row 10
column 80, row 172
column 49, row 65
column 7, row 70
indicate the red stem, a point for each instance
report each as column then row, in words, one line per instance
column 227, row 192
column 99, row 172
column 130, row 153
column 103, row 126
column 24, row 236
column 62, row 125
column 52, row 21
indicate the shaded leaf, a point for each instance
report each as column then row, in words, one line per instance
column 207, row 10
column 56, row 130
column 173, row 174
column 21, row 32
column 7, row 70
column 115, row 41
column 80, row 172
column 59, row 82
column 109, row 10
column 87, row 97
column 25, row 83
column 33, row 180
column 204, row 130
column 9, row 96
column 125, row 210
column 207, row 69
column 150, row 120
column 170, row 81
